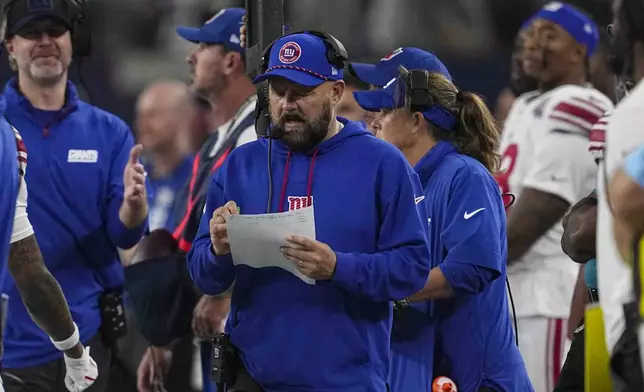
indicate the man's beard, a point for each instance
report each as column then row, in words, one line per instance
column 308, row 134
column 46, row 76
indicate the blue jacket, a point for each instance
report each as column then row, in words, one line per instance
column 10, row 180
column 475, row 341
column 334, row 335
column 76, row 159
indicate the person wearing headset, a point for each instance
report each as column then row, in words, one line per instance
column 370, row 244
column 449, row 136
column 87, row 195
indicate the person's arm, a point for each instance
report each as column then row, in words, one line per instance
column 580, row 298
column 125, row 225
column 212, row 274
column 472, row 234
column 626, row 194
column 39, row 290
column 561, row 170
column 580, row 228
column 401, row 265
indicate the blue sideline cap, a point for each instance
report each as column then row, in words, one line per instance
column 223, row 29
column 578, row 25
column 375, row 100
column 388, row 66
column 302, row 59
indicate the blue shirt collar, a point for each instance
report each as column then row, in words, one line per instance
column 428, row 164
column 13, row 95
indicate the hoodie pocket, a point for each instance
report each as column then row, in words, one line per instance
column 302, row 343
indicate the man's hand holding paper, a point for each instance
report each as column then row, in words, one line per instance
column 272, row 240
column 312, row 258
column 219, row 229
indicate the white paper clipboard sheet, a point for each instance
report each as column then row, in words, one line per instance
column 255, row 240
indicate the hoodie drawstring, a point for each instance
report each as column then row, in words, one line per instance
column 309, row 183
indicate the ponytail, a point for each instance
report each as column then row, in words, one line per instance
column 477, row 133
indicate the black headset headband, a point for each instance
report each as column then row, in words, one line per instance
column 73, row 11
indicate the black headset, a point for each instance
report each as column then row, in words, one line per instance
column 74, row 11
column 421, row 100
column 336, row 54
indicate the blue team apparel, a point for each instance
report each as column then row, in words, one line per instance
column 10, row 180
column 300, row 58
column 388, row 67
column 334, row 335
column 165, row 189
column 77, row 156
column 475, row 341
column 221, row 29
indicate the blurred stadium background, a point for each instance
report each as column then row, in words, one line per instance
column 135, row 41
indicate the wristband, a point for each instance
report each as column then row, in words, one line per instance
column 69, row 342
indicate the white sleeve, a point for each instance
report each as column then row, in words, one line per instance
column 21, row 225
column 562, row 166
column 247, row 135
column 623, row 135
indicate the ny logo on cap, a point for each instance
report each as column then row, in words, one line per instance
column 40, row 5
column 290, row 52
column 392, row 54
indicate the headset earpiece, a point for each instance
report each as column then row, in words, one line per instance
column 419, row 89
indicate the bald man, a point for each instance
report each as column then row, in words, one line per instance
column 163, row 114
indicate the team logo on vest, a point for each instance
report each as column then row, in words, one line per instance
column 82, row 156
column 297, row 202
column 290, row 52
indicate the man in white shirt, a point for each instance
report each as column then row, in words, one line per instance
column 624, row 133
column 546, row 165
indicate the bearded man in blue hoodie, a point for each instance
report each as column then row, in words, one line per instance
column 370, row 246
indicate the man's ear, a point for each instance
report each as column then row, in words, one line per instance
column 8, row 44
column 579, row 54
column 336, row 91
column 231, row 61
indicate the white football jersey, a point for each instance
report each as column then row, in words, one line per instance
column 624, row 133
column 544, row 146
column 21, row 225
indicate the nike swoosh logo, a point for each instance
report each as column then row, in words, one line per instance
column 468, row 215
column 419, row 199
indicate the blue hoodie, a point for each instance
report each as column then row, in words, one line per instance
column 334, row 335
column 10, row 180
column 75, row 183
column 475, row 341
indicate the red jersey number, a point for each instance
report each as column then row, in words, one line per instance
column 508, row 160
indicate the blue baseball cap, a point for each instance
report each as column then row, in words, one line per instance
column 388, row 66
column 582, row 28
column 302, row 59
column 385, row 98
column 223, row 28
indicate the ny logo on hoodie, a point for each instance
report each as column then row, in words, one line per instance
column 297, row 202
